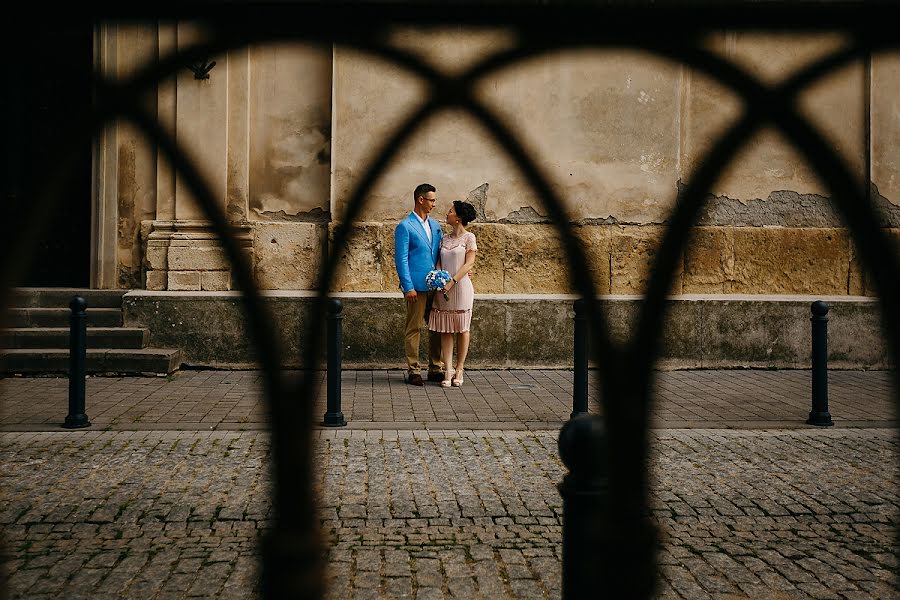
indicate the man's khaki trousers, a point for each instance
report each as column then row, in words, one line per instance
column 415, row 316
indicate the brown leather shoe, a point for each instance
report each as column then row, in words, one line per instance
column 415, row 379
column 435, row 376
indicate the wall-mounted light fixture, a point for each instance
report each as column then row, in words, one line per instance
column 201, row 69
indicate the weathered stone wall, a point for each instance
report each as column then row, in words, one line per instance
column 129, row 195
column 259, row 129
column 521, row 259
column 284, row 132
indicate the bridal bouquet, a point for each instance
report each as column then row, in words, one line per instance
column 438, row 280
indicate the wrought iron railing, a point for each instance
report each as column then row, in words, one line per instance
column 619, row 547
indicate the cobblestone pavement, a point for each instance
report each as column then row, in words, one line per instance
column 539, row 399
column 443, row 514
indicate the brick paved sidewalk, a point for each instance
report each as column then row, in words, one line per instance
column 516, row 399
column 443, row 514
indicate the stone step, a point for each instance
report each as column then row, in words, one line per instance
column 39, row 361
column 60, row 297
column 58, row 337
column 59, row 317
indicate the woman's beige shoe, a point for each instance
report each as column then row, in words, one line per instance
column 447, row 382
column 457, row 381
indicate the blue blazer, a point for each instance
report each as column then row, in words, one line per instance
column 413, row 255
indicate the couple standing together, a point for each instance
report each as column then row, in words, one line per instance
column 420, row 247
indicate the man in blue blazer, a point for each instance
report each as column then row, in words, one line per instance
column 417, row 241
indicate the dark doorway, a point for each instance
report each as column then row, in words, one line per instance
column 49, row 71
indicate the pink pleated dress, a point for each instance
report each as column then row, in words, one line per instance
column 455, row 314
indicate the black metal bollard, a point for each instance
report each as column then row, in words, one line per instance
column 76, row 419
column 333, row 415
column 819, row 414
column 585, row 495
column 580, row 384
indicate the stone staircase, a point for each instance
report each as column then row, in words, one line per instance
column 36, row 340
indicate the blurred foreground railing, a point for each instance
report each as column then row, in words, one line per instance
column 607, row 498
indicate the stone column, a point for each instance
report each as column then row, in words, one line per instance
column 105, row 177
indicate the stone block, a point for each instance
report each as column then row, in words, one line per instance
column 362, row 265
column 210, row 330
column 288, row 256
column 774, row 333
column 621, row 318
column 183, row 280
column 708, row 261
column 290, row 317
column 539, row 332
column 489, row 335
column 197, row 258
column 215, row 281
column 390, row 281
column 248, row 254
column 680, row 345
column 855, row 335
column 157, row 257
column 861, row 281
column 374, row 330
column 632, row 252
column 856, row 281
column 746, row 333
column 157, row 280
column 534, row 261
column 489, row 261
column 595, row 241
column 778, row 260
column 679, row 336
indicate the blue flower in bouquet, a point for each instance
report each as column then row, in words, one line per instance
column 438, row 280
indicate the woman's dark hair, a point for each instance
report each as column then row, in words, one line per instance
column 465, row 211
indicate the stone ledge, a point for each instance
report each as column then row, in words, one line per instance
column 519, row 331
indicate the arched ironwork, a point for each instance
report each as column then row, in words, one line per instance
column 291, row 553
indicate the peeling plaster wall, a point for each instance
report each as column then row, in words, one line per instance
column 201, row 120
column 885, row 128
column 285, row 133
column 136, row 172
column 618, row 133
column 603, row 125
column 767, row 164
column 290, row 133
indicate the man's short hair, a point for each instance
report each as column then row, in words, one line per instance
column 422, row 189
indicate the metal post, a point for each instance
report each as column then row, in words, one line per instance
column 819, row 414
column 76, row 419
column 584, row 491
column 333, row 415
column 580, row 385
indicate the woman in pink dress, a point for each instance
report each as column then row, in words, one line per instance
column 454, row 315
